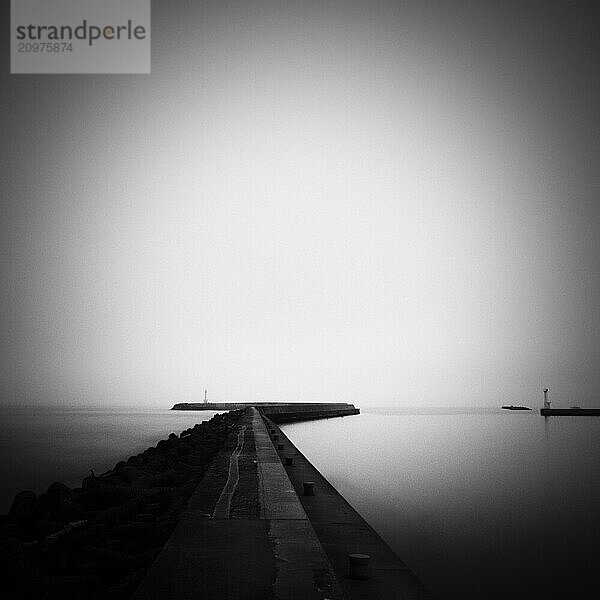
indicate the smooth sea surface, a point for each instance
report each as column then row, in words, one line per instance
column 41, row 446
column 480, row 503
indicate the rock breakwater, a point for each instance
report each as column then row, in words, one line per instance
column 97, row 541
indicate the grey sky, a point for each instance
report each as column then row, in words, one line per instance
column 378, row 202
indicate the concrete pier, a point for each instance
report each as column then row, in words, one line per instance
column 342, row 531
column 249, row 532
column 281, row 412
column 570, row 412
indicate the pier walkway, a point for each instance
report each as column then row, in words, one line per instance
column 249, row 533
column 341, row 530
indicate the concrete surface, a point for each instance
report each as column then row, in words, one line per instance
column 342, row 531
column 249, row 533
column 272, row 553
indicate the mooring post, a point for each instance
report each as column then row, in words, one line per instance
column 309, row 488
column 358, row 566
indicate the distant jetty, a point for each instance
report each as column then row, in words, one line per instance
column 280, row 412
column 574, row 411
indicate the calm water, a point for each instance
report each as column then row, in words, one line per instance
column 40, row 447
column 492, row 504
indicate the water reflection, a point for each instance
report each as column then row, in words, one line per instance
column 502, row 504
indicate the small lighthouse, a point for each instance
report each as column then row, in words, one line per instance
column 205, row 397
column 546, row 401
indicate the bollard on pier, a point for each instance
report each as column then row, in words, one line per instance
column 358, row 566
column 309, row 488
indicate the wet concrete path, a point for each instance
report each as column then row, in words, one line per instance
column 249, row 533
column 229, row 548
column 223, row 506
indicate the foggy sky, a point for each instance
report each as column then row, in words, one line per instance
column 386, row 203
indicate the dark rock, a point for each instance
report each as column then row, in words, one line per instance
column 50, row 501
column 26, row 508
column 69, row 511
column 88, row 483
column 120, row 465
column 129, row 473
column 59, row 489
column 184, row 449
column 118, row 515
column 96, row 533
column 66, row 583
column 46, row 528
column 16, row 567
column 23, row 503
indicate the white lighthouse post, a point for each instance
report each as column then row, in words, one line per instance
column 546, row 401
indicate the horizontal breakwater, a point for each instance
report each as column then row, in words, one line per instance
column 281, row 412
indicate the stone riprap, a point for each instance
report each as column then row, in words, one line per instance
column 97, row 541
